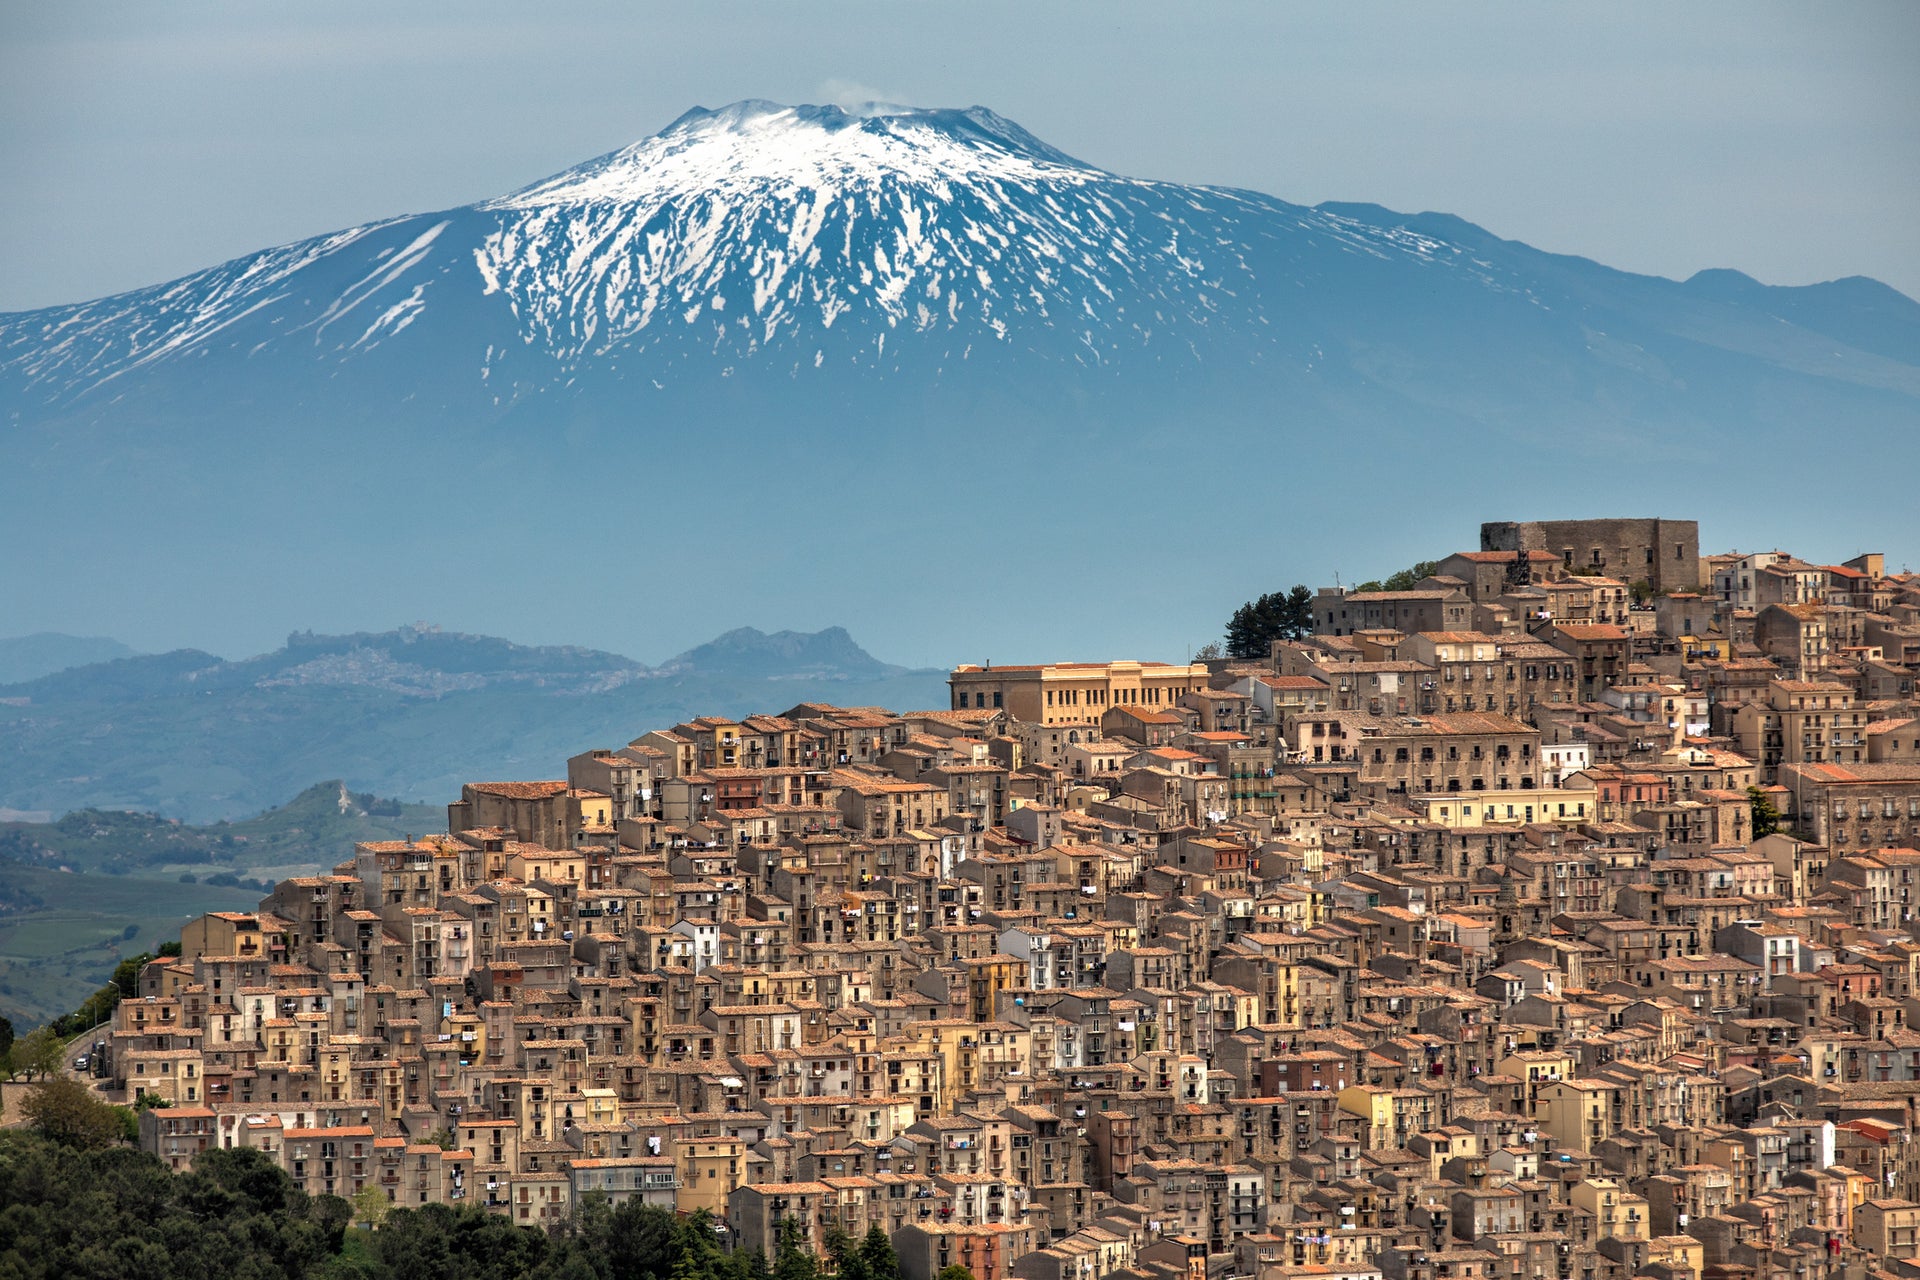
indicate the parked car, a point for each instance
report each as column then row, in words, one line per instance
column 82, row 1062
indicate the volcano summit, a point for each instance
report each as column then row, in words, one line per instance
column 754, row 233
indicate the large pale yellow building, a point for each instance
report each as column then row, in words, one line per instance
column 1575, row 1112
column 710, row 1169
column 1374, row 1106
column 972, row 1055
column 1069, row 692
column 1618, row 1213
column 1580, row 803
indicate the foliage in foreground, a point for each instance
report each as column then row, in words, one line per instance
column 117, row 1212
column 79, row 1207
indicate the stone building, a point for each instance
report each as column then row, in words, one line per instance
column 1665, row 553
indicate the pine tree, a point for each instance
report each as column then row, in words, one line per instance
column 877, row 1257
column 791, row 1259
column 845, row 1255
column 1274, row 616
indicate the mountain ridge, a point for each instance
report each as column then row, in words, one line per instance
column 410, row 713
column 29, row 657
column 303, row 659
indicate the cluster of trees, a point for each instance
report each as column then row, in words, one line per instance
column 96, row 1209
column 1405, row 580
column 36, row 1055
column 1278, row 615
column 66, row 1111
column 81, row 1202
column 1288, row 615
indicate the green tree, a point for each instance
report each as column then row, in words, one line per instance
column 1276, row 615
column 1299, row 612
column 6, row 1036
column 954, row 1272
column 65, row 1111
column 114, row 1211
column 331, row 1216
column 642, row 1240
column 877, row 1256
column 93, row 1011
column 126, row 974
column 39, row 1052
column 1404, row 580
column 469, row 1242
column 1766, row 815
column 791, row 1261
column 370, row 1206
column 844, row 1253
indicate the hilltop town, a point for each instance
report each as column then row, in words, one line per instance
column 1549, row 918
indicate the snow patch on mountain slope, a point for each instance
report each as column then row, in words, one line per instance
column 920, row 219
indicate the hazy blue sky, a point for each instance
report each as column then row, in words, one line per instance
column 140, row 141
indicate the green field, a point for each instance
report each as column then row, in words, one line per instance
column 62, row 932
column 53, row 956
column 317, row 828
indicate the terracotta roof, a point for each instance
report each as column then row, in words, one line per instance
column 521, row 790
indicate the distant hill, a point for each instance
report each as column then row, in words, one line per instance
column 77, row 894
column 410, row 713
column 317, row 828
column 748, row 654
column 61, row 934
column 45, row 652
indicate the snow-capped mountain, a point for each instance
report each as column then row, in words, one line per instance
column 787, row 235
column 942, row 299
